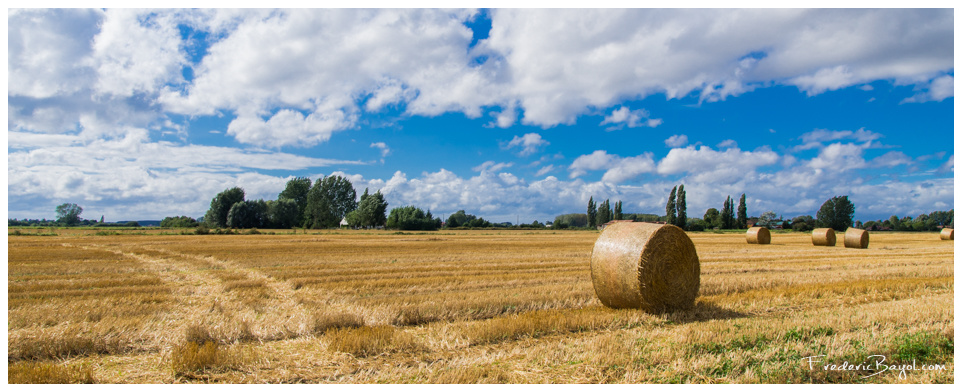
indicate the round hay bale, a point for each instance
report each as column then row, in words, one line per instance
column 856, row 238
column 645, row 266
column 758, row 235
column 823, row 237
column 947, row 234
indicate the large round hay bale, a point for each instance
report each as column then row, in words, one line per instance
column 645, row 266
column 947, row 234
column 823, row 237
column 856, row 238
column 758, row 235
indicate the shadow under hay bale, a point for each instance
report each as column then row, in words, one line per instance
column 758, row 235
column 856, row 238
column 646, row 266
column 704, row 311
column 823, row 237
column 947, row 234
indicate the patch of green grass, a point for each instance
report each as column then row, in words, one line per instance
column 742, row 343
column 807, row 334
column 923, row 347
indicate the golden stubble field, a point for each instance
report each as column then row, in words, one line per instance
column 467, row 307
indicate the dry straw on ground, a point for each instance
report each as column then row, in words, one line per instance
column 947, row 234
column 647, row 266
column 758, row 235
column 856, row 238
column 823, row 237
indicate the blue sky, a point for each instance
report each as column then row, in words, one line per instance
column 507, row 114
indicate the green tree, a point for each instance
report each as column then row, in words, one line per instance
column 942, row 218
column 372, row 209
column 247, row 214
column 732, row 221
column 924, row 222
column 220, row 206
column 282, row 213
column 711, row 218
column 670, row 209
column 695, row 224
column 682, row 219
column 297, row 189
column 836, row 213
column 766, row 219
column 803, row 223
column 477, row 222
column 68, row 214
column 742, row 213
column 412, row 218
column 893, row 223
column 592, row 213
column 458, row 219
column 571, row 220
column 604, row 213
column 178, row 221
column 728, row 214
column 617, row 214
column 328, row 201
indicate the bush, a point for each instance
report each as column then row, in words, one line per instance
column 202, row 229
column 695, row 224
column 412, row 218
column 178, row 221
column 803, row 223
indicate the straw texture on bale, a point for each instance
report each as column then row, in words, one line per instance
column 758, row 235
column 645, row 266
column 823, row 237
column 947, row 234
column 856, row 238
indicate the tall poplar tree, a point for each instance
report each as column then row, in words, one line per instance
column 742, row 213
column 670, row 211
column 682, row 219
column 726, row 214
column 604, row 213
column 592, row 213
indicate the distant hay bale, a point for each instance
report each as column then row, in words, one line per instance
column 856, row 238
column 758, row 235
column 646, row 266
column 947, row 234
column 823, row 237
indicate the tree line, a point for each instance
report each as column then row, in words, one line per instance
column 68, row 214
column 329, row 200
column 837, row 213
column 322, row 204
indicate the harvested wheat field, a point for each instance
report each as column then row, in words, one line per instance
column 467, row 307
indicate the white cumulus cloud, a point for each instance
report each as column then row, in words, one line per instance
column 676, row 141
column 623, row 116
column 383, row 147
column 529, row 143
